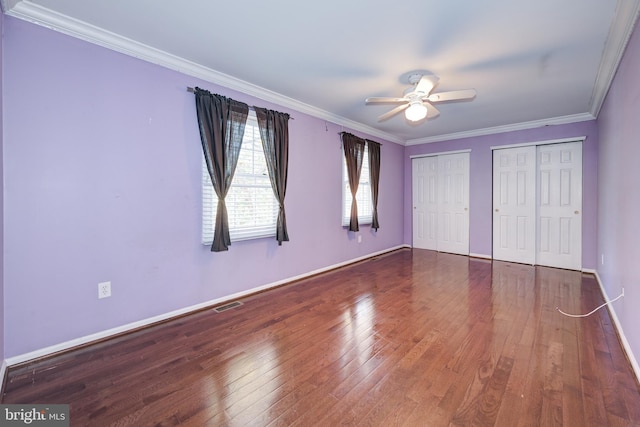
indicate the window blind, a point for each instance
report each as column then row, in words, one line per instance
column 363, row 196
column 251, row 206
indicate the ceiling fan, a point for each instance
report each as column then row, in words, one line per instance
column 417, row 100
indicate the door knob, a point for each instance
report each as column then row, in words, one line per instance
column 497, row 210
column 576, row 212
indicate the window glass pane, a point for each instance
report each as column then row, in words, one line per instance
column 251, row 206
column 363, row 196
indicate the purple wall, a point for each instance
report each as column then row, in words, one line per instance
column 101, row 168
column 619, row 197
column 2, row 309
column 102, row 182
column 480, row 201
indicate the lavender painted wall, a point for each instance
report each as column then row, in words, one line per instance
column 102, row 182
column 619, row 198
column 2, row 309
column 480, row 201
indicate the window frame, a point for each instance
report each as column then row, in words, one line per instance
column 210, row 200
column 363, row 196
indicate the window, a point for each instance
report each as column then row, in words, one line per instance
column 251, row 206
column 363, row 196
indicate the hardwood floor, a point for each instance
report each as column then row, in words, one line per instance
column 412, row 338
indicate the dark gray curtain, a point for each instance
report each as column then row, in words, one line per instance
column 221, row 121
column 353, row 154
column 274, row 133
column 374, row 178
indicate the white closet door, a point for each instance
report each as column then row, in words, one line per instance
column 441, row 203
column 514, row 209
column 560, row 205
column 453, row 203
column 425, row 202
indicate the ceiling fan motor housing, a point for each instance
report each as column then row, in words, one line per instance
column 414, row 79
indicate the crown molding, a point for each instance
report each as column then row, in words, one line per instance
column 624, row 20
column 625, row 17
column 48, row 18
column 7, row 5
column 506, row 128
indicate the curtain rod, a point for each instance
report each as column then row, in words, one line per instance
column 364, row 139
column 192, row 90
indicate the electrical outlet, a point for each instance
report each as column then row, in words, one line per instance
column 104, row 290
column 359, row 238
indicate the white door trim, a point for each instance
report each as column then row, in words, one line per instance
column 441, row 153
column 536, row 143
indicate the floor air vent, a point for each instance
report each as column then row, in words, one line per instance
column 221, row 308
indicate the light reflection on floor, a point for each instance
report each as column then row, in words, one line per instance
column 248, row 380
column 359, row 334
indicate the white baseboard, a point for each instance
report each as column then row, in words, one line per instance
column 616, row 322
column 471, row 254
column 151, row 320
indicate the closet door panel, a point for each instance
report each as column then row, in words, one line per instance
column 425, row 203
column 514, row 197
column 454, row 203
column 560, row 205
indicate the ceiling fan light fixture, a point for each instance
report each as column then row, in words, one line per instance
column 416, row 111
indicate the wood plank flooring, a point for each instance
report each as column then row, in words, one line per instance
column 412, row 338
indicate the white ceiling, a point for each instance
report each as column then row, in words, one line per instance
column 532, row 63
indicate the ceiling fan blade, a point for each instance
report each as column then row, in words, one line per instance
column 426, row 84
column 383, row 100
column 432, row 111
column 454, row 95
column 393, row 112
